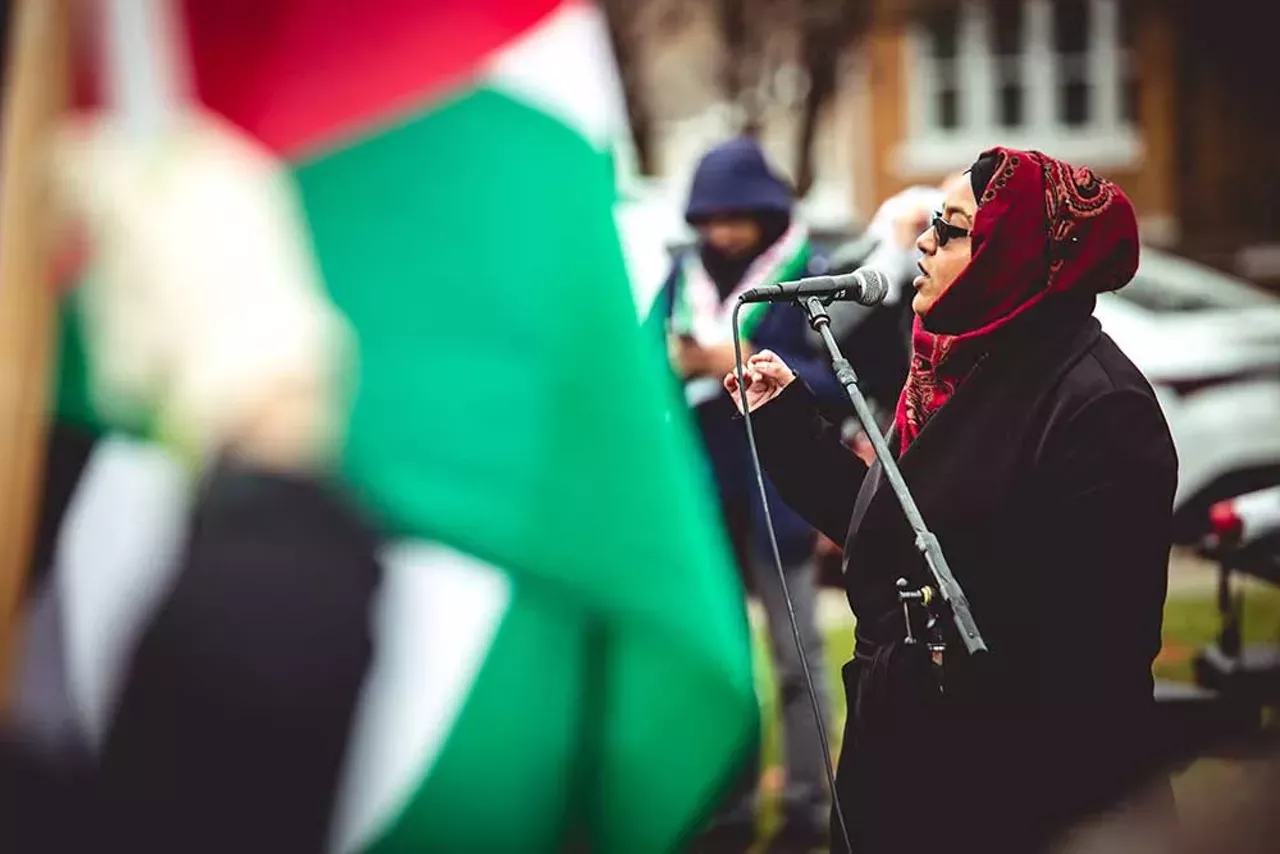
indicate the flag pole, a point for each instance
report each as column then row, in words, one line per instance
column 35, row 94
column 145, row 66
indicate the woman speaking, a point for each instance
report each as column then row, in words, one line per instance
column 1039, row 456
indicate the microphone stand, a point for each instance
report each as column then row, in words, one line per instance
column 947, row 586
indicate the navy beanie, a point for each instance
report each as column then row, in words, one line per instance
column 735, row 177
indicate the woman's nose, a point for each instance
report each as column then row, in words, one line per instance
column 927, row 241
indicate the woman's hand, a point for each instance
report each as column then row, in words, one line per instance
column 766, row 376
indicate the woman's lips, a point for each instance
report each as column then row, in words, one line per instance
column 919, row 280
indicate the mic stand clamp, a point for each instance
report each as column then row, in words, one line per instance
column 948, row 590
column 924, row 600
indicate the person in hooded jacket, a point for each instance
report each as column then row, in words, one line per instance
column 1039, row 456
column 748, row 236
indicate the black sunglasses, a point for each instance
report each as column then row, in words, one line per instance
column 946, row 231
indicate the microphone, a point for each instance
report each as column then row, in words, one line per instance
column 865, row 287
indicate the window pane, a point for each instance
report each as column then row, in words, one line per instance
column 1129, row 103
column 1073, row 68
column 942, row 24
column 1010, row 106
column 1128, row 22
column 1074, row 103
column 948, row 109
column 1070, row 25
column 1009, row 70
column 1006, row 22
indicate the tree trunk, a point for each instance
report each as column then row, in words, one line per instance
column 624, row 37
column 821, row 65
column 830, row 28
column 740, row 71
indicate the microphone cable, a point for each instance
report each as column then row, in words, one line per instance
column 782, row 579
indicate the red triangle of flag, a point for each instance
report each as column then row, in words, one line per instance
column 295, row 72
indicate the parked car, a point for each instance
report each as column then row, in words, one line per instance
column 1236, row 683
column 1210, row 345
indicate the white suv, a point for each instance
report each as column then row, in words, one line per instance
column 1210, row 345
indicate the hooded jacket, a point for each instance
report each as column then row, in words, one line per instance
column 734, row 178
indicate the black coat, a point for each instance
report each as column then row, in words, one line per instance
column 1049, row 479
column 232, row 725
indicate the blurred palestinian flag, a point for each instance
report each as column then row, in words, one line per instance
column 561, row 641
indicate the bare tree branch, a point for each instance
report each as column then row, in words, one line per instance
column 626, row 37
column 829, row 28
column 739, row 58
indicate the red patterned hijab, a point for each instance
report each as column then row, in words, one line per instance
column 1043, row 228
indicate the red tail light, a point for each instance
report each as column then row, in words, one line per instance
column 1245, row 518
column 1225, row 522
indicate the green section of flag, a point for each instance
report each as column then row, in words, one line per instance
column 509, row 770
column 510, row 407
column 71, row 396
column 73, row 399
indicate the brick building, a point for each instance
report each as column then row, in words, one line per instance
column 1170, row 99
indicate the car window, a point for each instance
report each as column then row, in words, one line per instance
column 1169, row 284
column 1155, row 296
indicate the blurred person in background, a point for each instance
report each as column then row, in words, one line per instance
column 747, row 237
column 230, row 726
column 1040, row 458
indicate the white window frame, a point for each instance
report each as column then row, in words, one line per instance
column 1106, row 141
